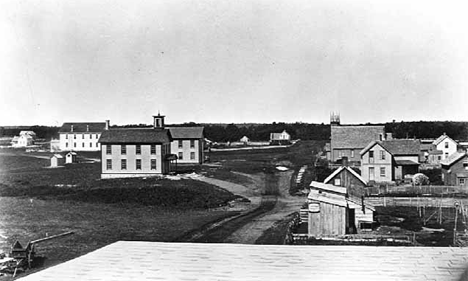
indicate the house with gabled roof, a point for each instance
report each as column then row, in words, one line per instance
column 137, row 152
column 445, row 144
column 455, row 169
column 391, row 160
column 187, row 143
column 280, row 138
column 346, row 177
column 348, row 140
column 81, row 136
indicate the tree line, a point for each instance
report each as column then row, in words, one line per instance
column 298, row 130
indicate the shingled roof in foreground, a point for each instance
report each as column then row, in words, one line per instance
column 131, row 260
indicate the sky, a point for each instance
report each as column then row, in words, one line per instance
column 243, row 61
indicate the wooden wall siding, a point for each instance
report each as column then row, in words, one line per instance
column 450, row 178
column 355, row 187
column 330, row 221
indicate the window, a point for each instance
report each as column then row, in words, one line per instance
column 66, row 144
column 82, row 145
column 382, row 171
column 138, row 164
column 138, row 149
column 109, row 164
column 371, row 154
column 74, row 144
column 66, row 137
column 337, row 182
column 439, row 157
column 123, row 149
column 181, row 155
column 153, row 149
column 446, row 144
column 97, row 145
column 90, row 144
column 382, row 155
column 192, row 155
column 462, row 181
column 180, row 144
column 123, row 164
column 153, row 164
column 74, row 136
column 108, row 149
column 97, row 136
column 446, row 155
column 192, row 144
column 82, row 136
column 352, row 153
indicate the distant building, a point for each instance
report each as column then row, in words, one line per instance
column 388, row 161
column 349, row 140
column 22, row 141
column 28, row 133
column 280, row 138
column 188, row 144
column 136, row 152
column 345, row 176
column 81, row 136
column 245, row 140
column 455, row 169
column 445, row 144
column 54, row 145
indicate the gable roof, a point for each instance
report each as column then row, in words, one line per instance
column 80, row 127
column 354, row 137
column 342, row 168
column 186, row 132
column 454, row 157
column 442, row 138
column 146, row 135
column 397, row 146
column 277, row 136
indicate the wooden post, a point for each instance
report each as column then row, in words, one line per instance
column 455, row 226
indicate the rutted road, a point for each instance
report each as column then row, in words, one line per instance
column 270, row 202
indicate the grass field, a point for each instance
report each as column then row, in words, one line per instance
column 36, row 201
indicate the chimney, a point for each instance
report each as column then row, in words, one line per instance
column 158, row 121
column 87, row 128
column 389, row 136
column 344, row 161
column 107, row 125
column 71, row 128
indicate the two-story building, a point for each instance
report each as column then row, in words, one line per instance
column 81, row 136
column 455, row 169
column 137, row 152
column 280, row 138
column 187, row 144
column 446, row 145
column 389, row 161
column 348, row 140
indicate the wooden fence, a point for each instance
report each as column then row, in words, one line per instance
column 416, row 190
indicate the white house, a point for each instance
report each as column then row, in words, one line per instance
column 245, row 139
column 445, row 144
column 280, row 138
column 81, row 136
column 187, row 143
column 22, row 141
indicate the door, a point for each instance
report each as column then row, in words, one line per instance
column 371, row 173
column 351, row 225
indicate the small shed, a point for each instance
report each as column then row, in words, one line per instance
column 70, row 157
column 56, row 160
column 333, row 211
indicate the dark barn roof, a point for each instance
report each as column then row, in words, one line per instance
column 354, row 137
column 186, row 132
column 80, row 127
column 136, row 136
column 402, row 146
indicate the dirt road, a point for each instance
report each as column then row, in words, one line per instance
column 270, row 203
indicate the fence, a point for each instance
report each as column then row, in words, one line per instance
column 417, row 190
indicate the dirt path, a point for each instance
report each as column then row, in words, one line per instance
column 270, row 203
column 285, row 205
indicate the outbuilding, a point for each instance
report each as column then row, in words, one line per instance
column 56, row 160
column 70, row 157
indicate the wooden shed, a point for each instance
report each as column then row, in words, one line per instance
column 56, row 160
column 70, row 157
column 333, row 212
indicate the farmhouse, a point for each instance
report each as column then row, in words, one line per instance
column 455, row 169
column 22, row 141
column 81, row 136
column 136, row 152
column 187, row 143
column 334, row 211
column 280, row 138
column 445, row 144
column 245, row 140
column 349, row 140
column 391, row 160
